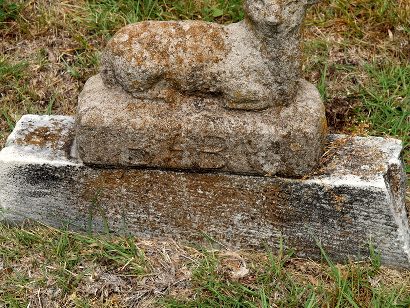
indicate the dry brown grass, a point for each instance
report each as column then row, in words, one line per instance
column 52, row 268
column 345, row 36
column 60, row 46
column 50, row 48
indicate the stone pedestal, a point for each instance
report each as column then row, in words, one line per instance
column 354, row 198
column 114, row 128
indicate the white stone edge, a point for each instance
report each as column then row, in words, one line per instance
column 13, row 153
column 391, row 146
column 399, row 211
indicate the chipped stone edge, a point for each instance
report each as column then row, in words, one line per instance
column 12, row 152
column 398, row 203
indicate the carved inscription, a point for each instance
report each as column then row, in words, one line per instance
column 138, row 157
column 206, row 152
column 177, row 151
column 210, row 153
column 257, row 158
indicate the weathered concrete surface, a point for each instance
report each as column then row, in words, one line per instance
column 192, row 95
column 252, row 64
column 113, row 128
column 357, row 196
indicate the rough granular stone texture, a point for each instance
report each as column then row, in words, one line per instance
column 356, row 197
column 116, row 129
column 252, row 64
column 192, row 95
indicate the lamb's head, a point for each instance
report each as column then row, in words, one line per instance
column 271, row 17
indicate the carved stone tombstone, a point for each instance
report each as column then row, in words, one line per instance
column 202, row 96
column 193, row 128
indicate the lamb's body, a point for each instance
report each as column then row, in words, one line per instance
column 238, row 64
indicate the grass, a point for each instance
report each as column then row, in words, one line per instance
column 57, row 260
column 343, row 39
column 386, row 102
column 105, row 16
column 45, row 266
column 8, row 10
column 357, row 54
column 355, row 51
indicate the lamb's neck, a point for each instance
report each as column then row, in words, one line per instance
column 281, row 49
column 283, row 53
column 281, row 45
column 275, row 39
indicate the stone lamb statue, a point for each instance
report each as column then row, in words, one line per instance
column 193, row 95
column 253, row 64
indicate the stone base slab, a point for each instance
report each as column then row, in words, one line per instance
column 114, row 128
column 355, row 198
